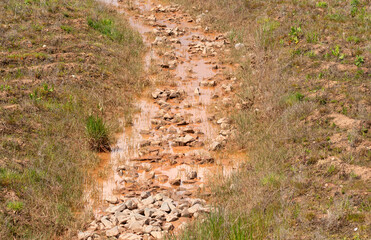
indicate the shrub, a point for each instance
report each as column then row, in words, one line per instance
column 359, row 61
column 97, row 133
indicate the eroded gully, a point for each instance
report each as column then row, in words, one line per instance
column 160, row 169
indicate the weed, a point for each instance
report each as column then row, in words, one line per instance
column 353, row 39
column 359, row 60
column 291, row 99
column 295, row 34
column 15, row 205
column 336, row 52
column 67, row 28
column 322, row 4
column 312, row 37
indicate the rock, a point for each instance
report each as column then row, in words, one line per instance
column 84, row 235
column 157, row 234
column 171, row 218
column 156, row 93
column 112, row 199
column 116, row 208
column 148, row 212
column 165, row 207
column 158, row 214
column 107, row 224
column 112, row 232
column 197, row 91
column 145, row 195
column 130, row 204
column 136, row 226
column 223, row 120
column 192, row 175
column 159, row 197
column 215, row 146
column 176, row 182
column 168, row 227
column 239, row 46
column 186, row 213
column 148, row 201
column 182, row 141
column 195, row 208
column 129, row 236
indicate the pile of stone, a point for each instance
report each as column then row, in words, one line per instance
column 169, row 8
column 147, row 216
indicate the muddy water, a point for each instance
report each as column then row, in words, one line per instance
column 150, row 154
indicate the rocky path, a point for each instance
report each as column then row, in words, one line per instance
column 161, row 164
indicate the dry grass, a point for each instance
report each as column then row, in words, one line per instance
column 301, row 63
column 60, row 61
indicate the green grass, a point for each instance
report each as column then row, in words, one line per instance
column 97, row 133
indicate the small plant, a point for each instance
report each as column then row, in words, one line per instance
column 295, row 34
column 331, row 170
column 44, row 92
column 291, row 99
column 67, row 29
column 336, row 52
column 97, row 133
column 354, row 7
column 15, row 206
column 322, row 4
column 359, row 60
column 312, row 37
column 353, row 39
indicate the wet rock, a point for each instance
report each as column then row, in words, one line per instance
column 215, row 146
column 192, row 175
column 183, row 141
column 176, row 182
column 113, row 232
column 197, row 91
